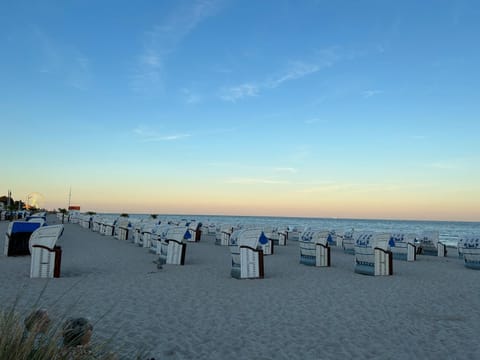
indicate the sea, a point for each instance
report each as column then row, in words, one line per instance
column 449, row 231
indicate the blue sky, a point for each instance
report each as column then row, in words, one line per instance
column 364, row 109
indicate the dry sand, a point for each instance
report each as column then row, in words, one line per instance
column 429, row 309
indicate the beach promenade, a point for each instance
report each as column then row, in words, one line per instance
column 429, row 309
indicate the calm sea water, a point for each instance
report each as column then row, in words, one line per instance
column 450, row 231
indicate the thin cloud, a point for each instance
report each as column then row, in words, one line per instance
column 295, row 70
column 443, row 165
column 64, row 61
column 370, row 93
column 235, row 93
column 255, row 181
column 285, row 170
column 191, row 98
column 148, row 135
column 161, row 40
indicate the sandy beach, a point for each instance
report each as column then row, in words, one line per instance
column 429, row 309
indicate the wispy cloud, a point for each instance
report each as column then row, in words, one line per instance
column 145, row 134
column 239, row 92
column 162, row 39
column 444, row 165
column 191, row 98
column 79, row 73
column 295, row 70
column 255, row 181
column 370, row 93
column 65, row 62
column 285, row 170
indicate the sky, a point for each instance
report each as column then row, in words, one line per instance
column 310, row 108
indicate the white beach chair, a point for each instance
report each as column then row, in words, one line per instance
column 223, row 235
column 403, row 246
column 282, row 235
column 294, row 232
column 471, row 251
column 195, row 230
column 314, row 248
column 122, row 228
column 209, row 232
column 428, row 244
column 107, row 226
column 46, row 257
column 173, row 247
column 348, row 242
column 247, row 256
column 372, row 256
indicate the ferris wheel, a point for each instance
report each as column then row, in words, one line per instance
column 35, row 200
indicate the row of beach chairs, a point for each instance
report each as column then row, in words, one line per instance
column 373, row 252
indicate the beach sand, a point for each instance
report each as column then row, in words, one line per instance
column 429, row 309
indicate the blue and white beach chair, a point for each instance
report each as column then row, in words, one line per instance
column 428, row 244
column 372, row 256
column 403, row 246
column 314, row 248
column 471, row 251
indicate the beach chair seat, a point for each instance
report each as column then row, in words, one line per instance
column 403, row 246
column 428, row 244
column 372, row 256
column 314, row 248
column 46, row 256
column 247, row 254
column 17, row 237
column 471, row 252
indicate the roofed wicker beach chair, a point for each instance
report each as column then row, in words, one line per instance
column 294, row 232
column 107, row 226
column 223, row 234
column 403, row 246
column 247, row 254
column 17, row 237
column 428, row 244
column 46, row 256
column 159, row 235
column 372, row 256
column 314, row 248
column 209, row 232
column 471, row 251
column 123, row 226
column 348, row 242
column 195, row 229
column 173, row 247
